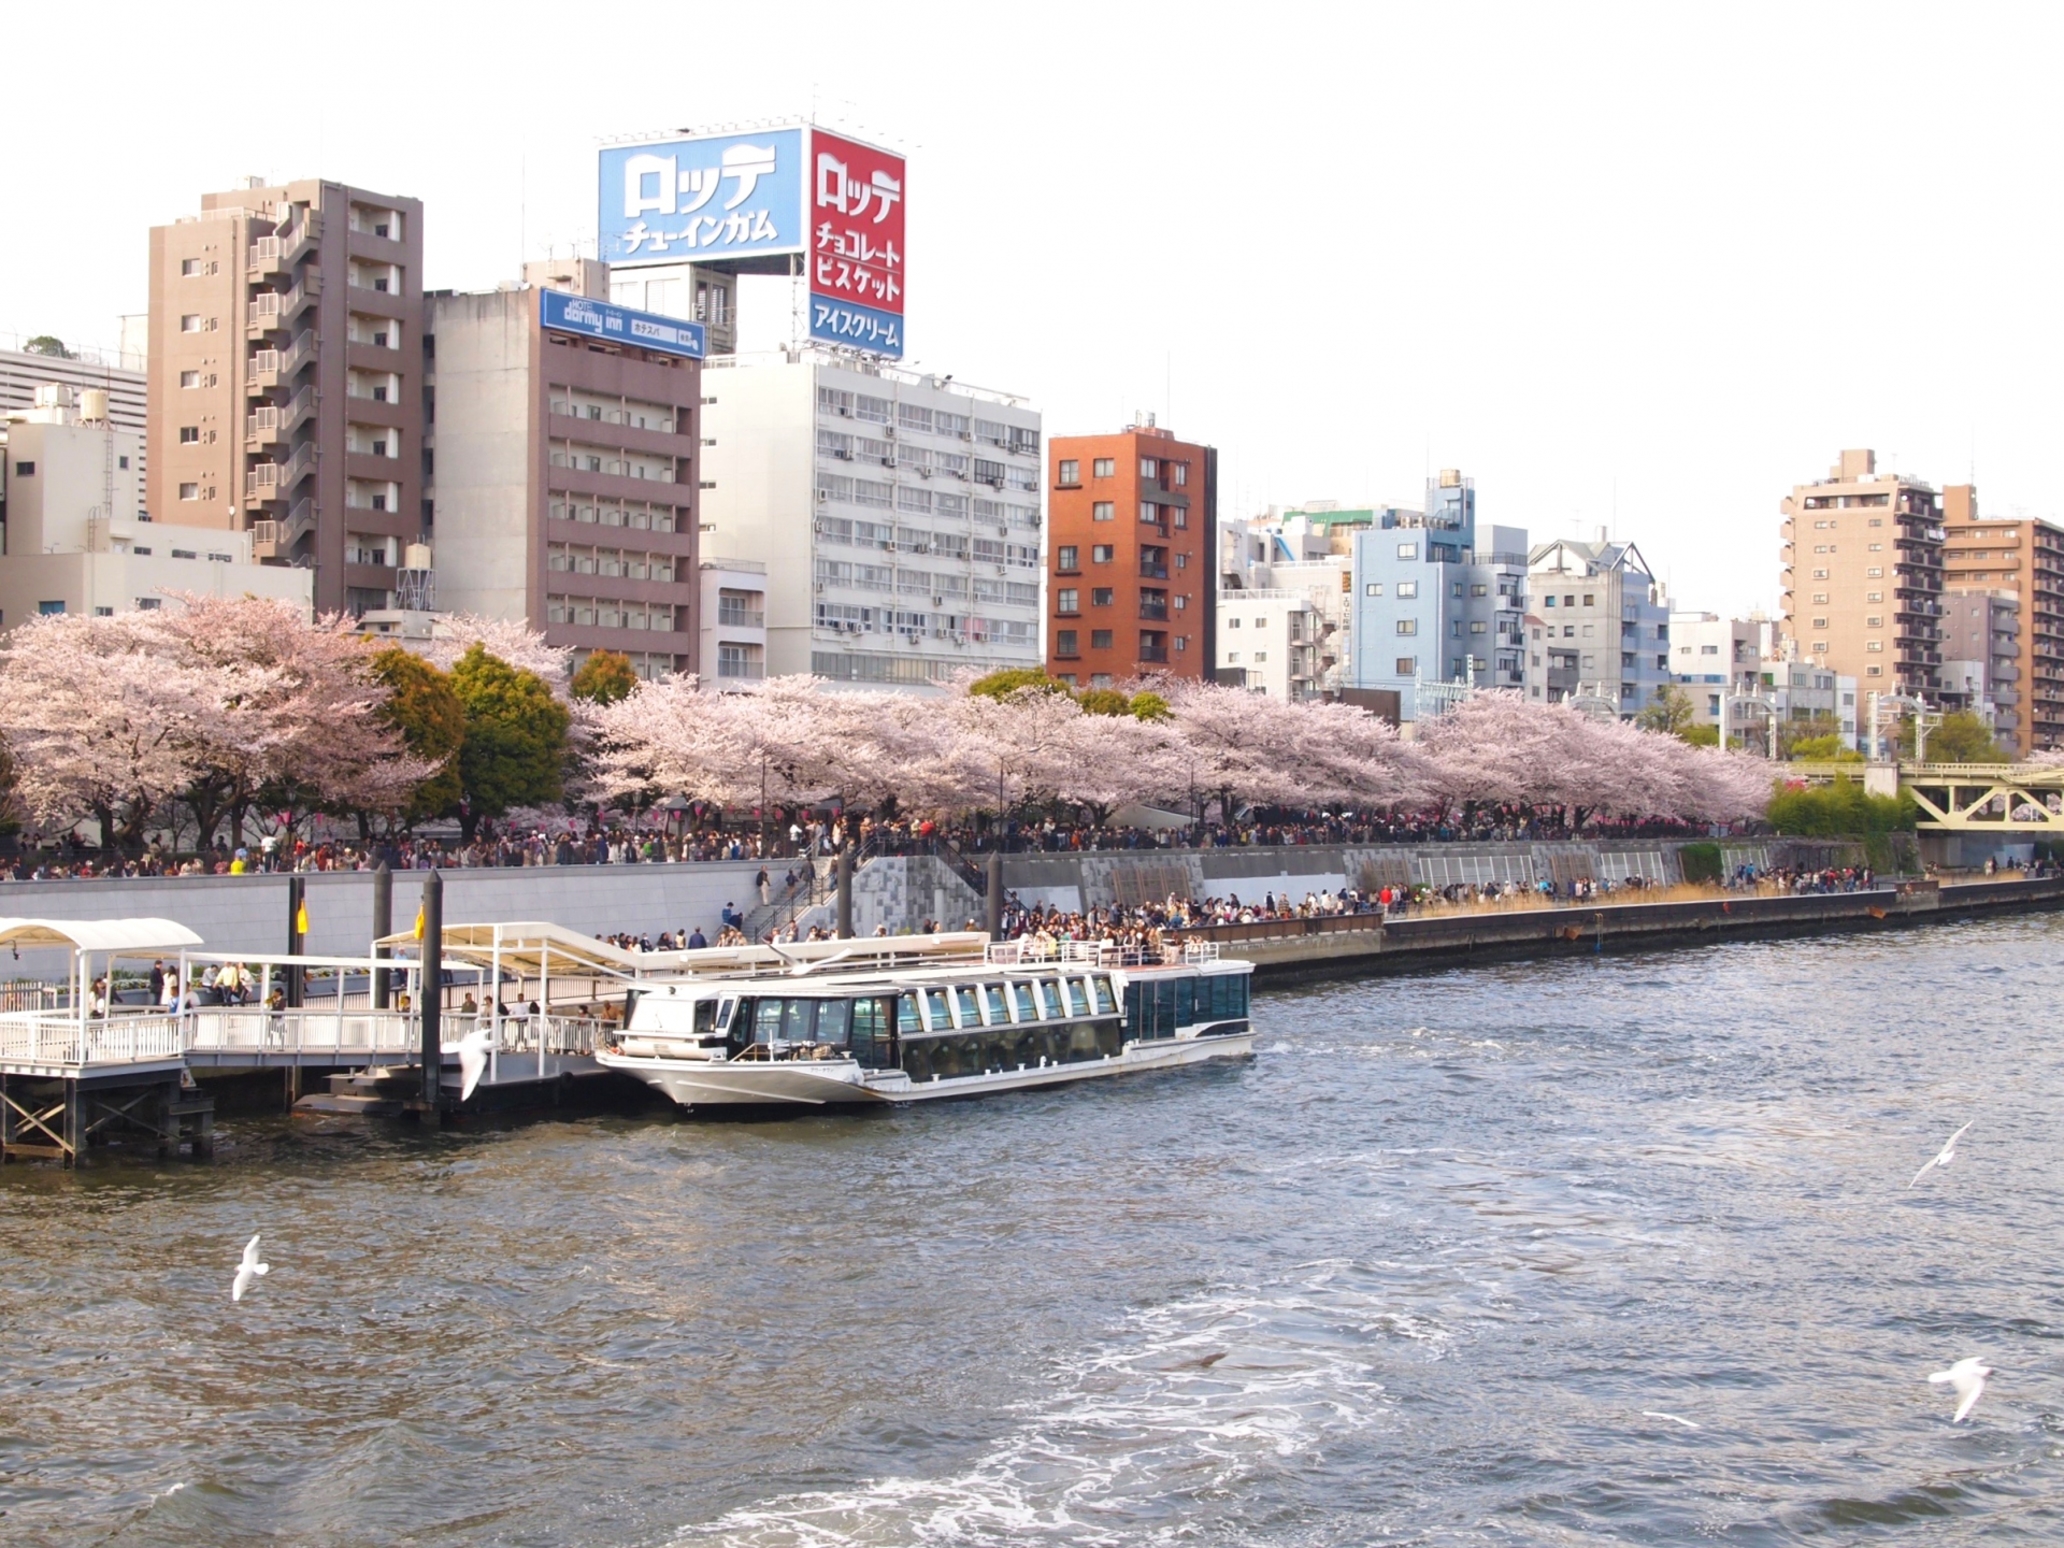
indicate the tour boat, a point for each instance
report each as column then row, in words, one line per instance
column 944, row 1016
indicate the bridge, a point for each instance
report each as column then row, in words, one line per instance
column 2013, row 800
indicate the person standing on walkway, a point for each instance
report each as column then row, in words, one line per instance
column 766, row 886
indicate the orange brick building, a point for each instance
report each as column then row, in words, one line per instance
column 1132, row 545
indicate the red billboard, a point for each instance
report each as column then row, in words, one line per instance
column 855, row 214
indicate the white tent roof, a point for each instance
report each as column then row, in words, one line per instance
column 138, row 935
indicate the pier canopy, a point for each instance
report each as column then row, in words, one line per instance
column 531, row 948
column 538, row 949
column 120, row 936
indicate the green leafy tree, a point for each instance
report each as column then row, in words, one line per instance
column 605, row 678
column 1148, row 706
column 1701, row 736
column 1005, row 681
column 47, row 344
column 1823, row 749
column 514, row 752
column 425, row 709
column 1840, row 810
column 1669, row 711
column 1963, row 737
column 1103, row 701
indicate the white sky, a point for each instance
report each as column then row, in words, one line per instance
column 1648, row 265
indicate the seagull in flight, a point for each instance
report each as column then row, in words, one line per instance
column 248, row 1270
column 472, row 1060
column 1968, row 1377
column 1945, row 1156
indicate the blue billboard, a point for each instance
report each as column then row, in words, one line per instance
column 855, row 326
column 704, row 200
column 599, row 320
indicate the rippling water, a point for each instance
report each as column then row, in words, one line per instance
column 1435, row 1268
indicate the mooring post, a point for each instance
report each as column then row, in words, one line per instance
column 433, row 989
column 992, row 896
column 383, row 926
column 296, row 893
column 845, row 893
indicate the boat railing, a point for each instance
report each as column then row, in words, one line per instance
column 1033, row 950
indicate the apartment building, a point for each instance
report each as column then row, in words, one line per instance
column 1438, row 601
column 77, row 537
column 1863, row 576
column 734, row 622
column 285, row 379
column 2025, row 557
column 566, row 437
column 25, row 373
column 1307, row 567
column 1981, row 660
column 1134, row 585
column 897, row 514
column 1599, row 625
column 1711, row 656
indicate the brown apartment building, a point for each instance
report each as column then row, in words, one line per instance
column 1862, row 577
column 285, row 392
column 2026, row 558
column 1132, row 545
column 567, row 446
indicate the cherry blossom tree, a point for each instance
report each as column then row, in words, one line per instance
column 507, row 640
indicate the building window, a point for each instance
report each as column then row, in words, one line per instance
column 1873, row 671
column 1102, row 510
column 190, row 323
column 1875, row 647
column 1100, row 639
column 1071, row 472
column 1373, row 589
column 1260, row 656
column 1408, row 666
column 1408, row 550
column 1587, row 600
column 1232, row 658
column 1149, row 511
column 1408, row 626
column 1149, row 468
column 1873, row 573
column 1182, row 643
column 1067, row 600
column 1820, row 575
column 1104, row 467
column 1100, row 596
column 1818, row 623
column 1877, row 548
column 1408, row 588
column 1067, row 557
column 1064, row 643
column 1182, row 477
column 1874, row 623
column 1479, row 590
column 189, row 267
column 25, row 470
column 1868, row 596
column 189, row 378
column 1232, row 623
column 1100, row 554
column 189, row 435
column 189, row 491
column 1476, row 626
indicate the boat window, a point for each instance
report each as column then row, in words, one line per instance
column 1106, row 1002
column 936, row 1017
column 1028, row 1005
column 834, row 1022
column 766, row 1021
column 992, row 997
column 705, row 1017
column 964, row 1002
column 906, row 1012
column 724, row 1010
column 870, row 1037
column 1078, row 996
column 799, row 1021
column 1185, row 1001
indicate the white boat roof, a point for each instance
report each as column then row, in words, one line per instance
column 98, row 934
column 529, row 946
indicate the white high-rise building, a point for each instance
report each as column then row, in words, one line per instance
column 898, row 515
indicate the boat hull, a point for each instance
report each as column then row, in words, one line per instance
column 802, row 1084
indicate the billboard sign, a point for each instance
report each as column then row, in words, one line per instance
column 758, row 202
column 593, row 319
column 708, row 199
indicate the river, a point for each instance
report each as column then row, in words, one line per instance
column 1614, row 1250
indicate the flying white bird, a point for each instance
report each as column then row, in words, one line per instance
column 1968, row 1377
column 1947, row 1154
column 472, row 1060
column 1652, row 1413
column 248, row 1270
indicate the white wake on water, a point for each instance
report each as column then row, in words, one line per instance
column 1182, row 1405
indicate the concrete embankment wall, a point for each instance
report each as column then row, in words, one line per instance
column 1362, row 945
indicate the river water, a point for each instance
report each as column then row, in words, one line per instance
column 1426, row 1271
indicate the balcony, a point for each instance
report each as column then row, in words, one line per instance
column 740, row 617
column 731, row 669
column 1151, row 614
column 1153, row 571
